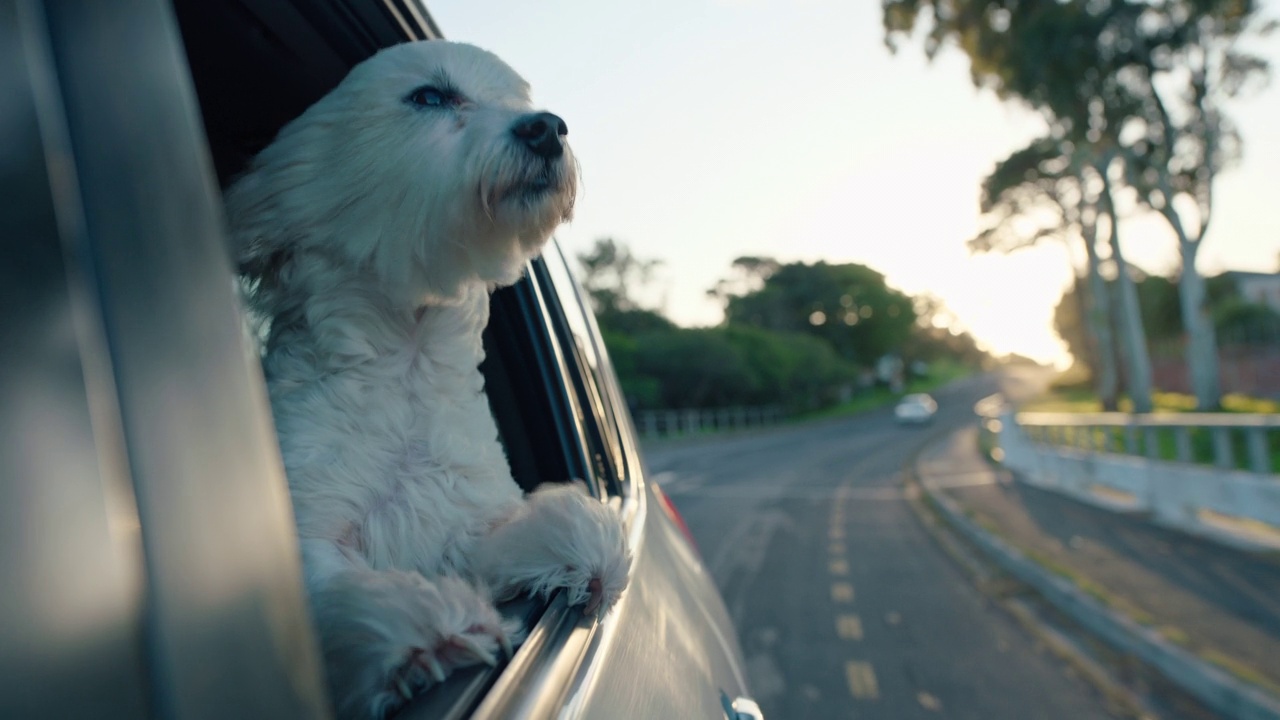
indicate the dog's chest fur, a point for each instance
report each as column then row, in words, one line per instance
column 387, row 438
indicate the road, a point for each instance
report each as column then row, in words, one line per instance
column 845, row 606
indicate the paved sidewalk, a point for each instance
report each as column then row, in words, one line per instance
column 1221, row 604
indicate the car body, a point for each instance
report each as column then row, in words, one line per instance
column 152, row 567
column 916, row 408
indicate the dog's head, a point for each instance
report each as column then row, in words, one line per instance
column 427, row 166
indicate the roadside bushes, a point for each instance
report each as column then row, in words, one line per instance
column 675, row 367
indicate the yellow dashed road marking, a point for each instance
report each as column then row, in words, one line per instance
column 837, row 533
column 849, row 627
column 838, row 567
column 862, row 680
column 842, row 592
column 836, row 547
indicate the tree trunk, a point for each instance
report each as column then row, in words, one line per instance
column 1135, row 339
column 1098, row 321
column 1202, row 344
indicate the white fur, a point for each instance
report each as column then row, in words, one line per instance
column 370, row 233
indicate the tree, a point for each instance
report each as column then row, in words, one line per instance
column 611, row 274
column 1186, row 62
column 796, row 370
column 730, row 366
column 1130, row 315
column 849, row 306
column 749, row 274
column 695, row 368
column 1247, row 322
column 660, row 365
column 1141, row 81
column 1044, row 185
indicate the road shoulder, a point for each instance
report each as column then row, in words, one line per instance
column 1199, row 614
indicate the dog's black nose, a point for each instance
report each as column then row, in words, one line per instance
column 541, row 132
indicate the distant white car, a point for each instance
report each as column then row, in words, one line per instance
column 916, row 408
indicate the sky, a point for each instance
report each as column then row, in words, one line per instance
column 712, row 129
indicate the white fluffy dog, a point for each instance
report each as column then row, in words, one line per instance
column 371, row 232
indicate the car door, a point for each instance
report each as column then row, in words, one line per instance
column 150, row 565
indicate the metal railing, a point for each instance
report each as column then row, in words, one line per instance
column 1229, row 441
column 1214, row 475
column 691, row 421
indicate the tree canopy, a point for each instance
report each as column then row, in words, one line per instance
column 1134, row 85
column 795, row 335
column 849, row 306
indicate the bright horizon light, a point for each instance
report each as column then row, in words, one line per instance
column 713, row 129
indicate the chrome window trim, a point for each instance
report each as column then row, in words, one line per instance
column 583, row 334
column 413, row 18
column 629, row 462
column 580, row 415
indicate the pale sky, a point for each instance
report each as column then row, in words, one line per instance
column 712, row 129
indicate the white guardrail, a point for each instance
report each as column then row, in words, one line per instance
column 1208, row 474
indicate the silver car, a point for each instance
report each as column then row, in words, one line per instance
column 916, row 408
column 150, row 565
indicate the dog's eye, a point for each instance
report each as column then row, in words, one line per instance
column 428, row 96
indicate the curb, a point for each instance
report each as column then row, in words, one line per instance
column 1217, row 689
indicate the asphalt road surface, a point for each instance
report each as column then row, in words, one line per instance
column 845, row 606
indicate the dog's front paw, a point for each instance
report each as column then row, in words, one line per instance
column 393, row 634
column 476, row 644
column 561, row 539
